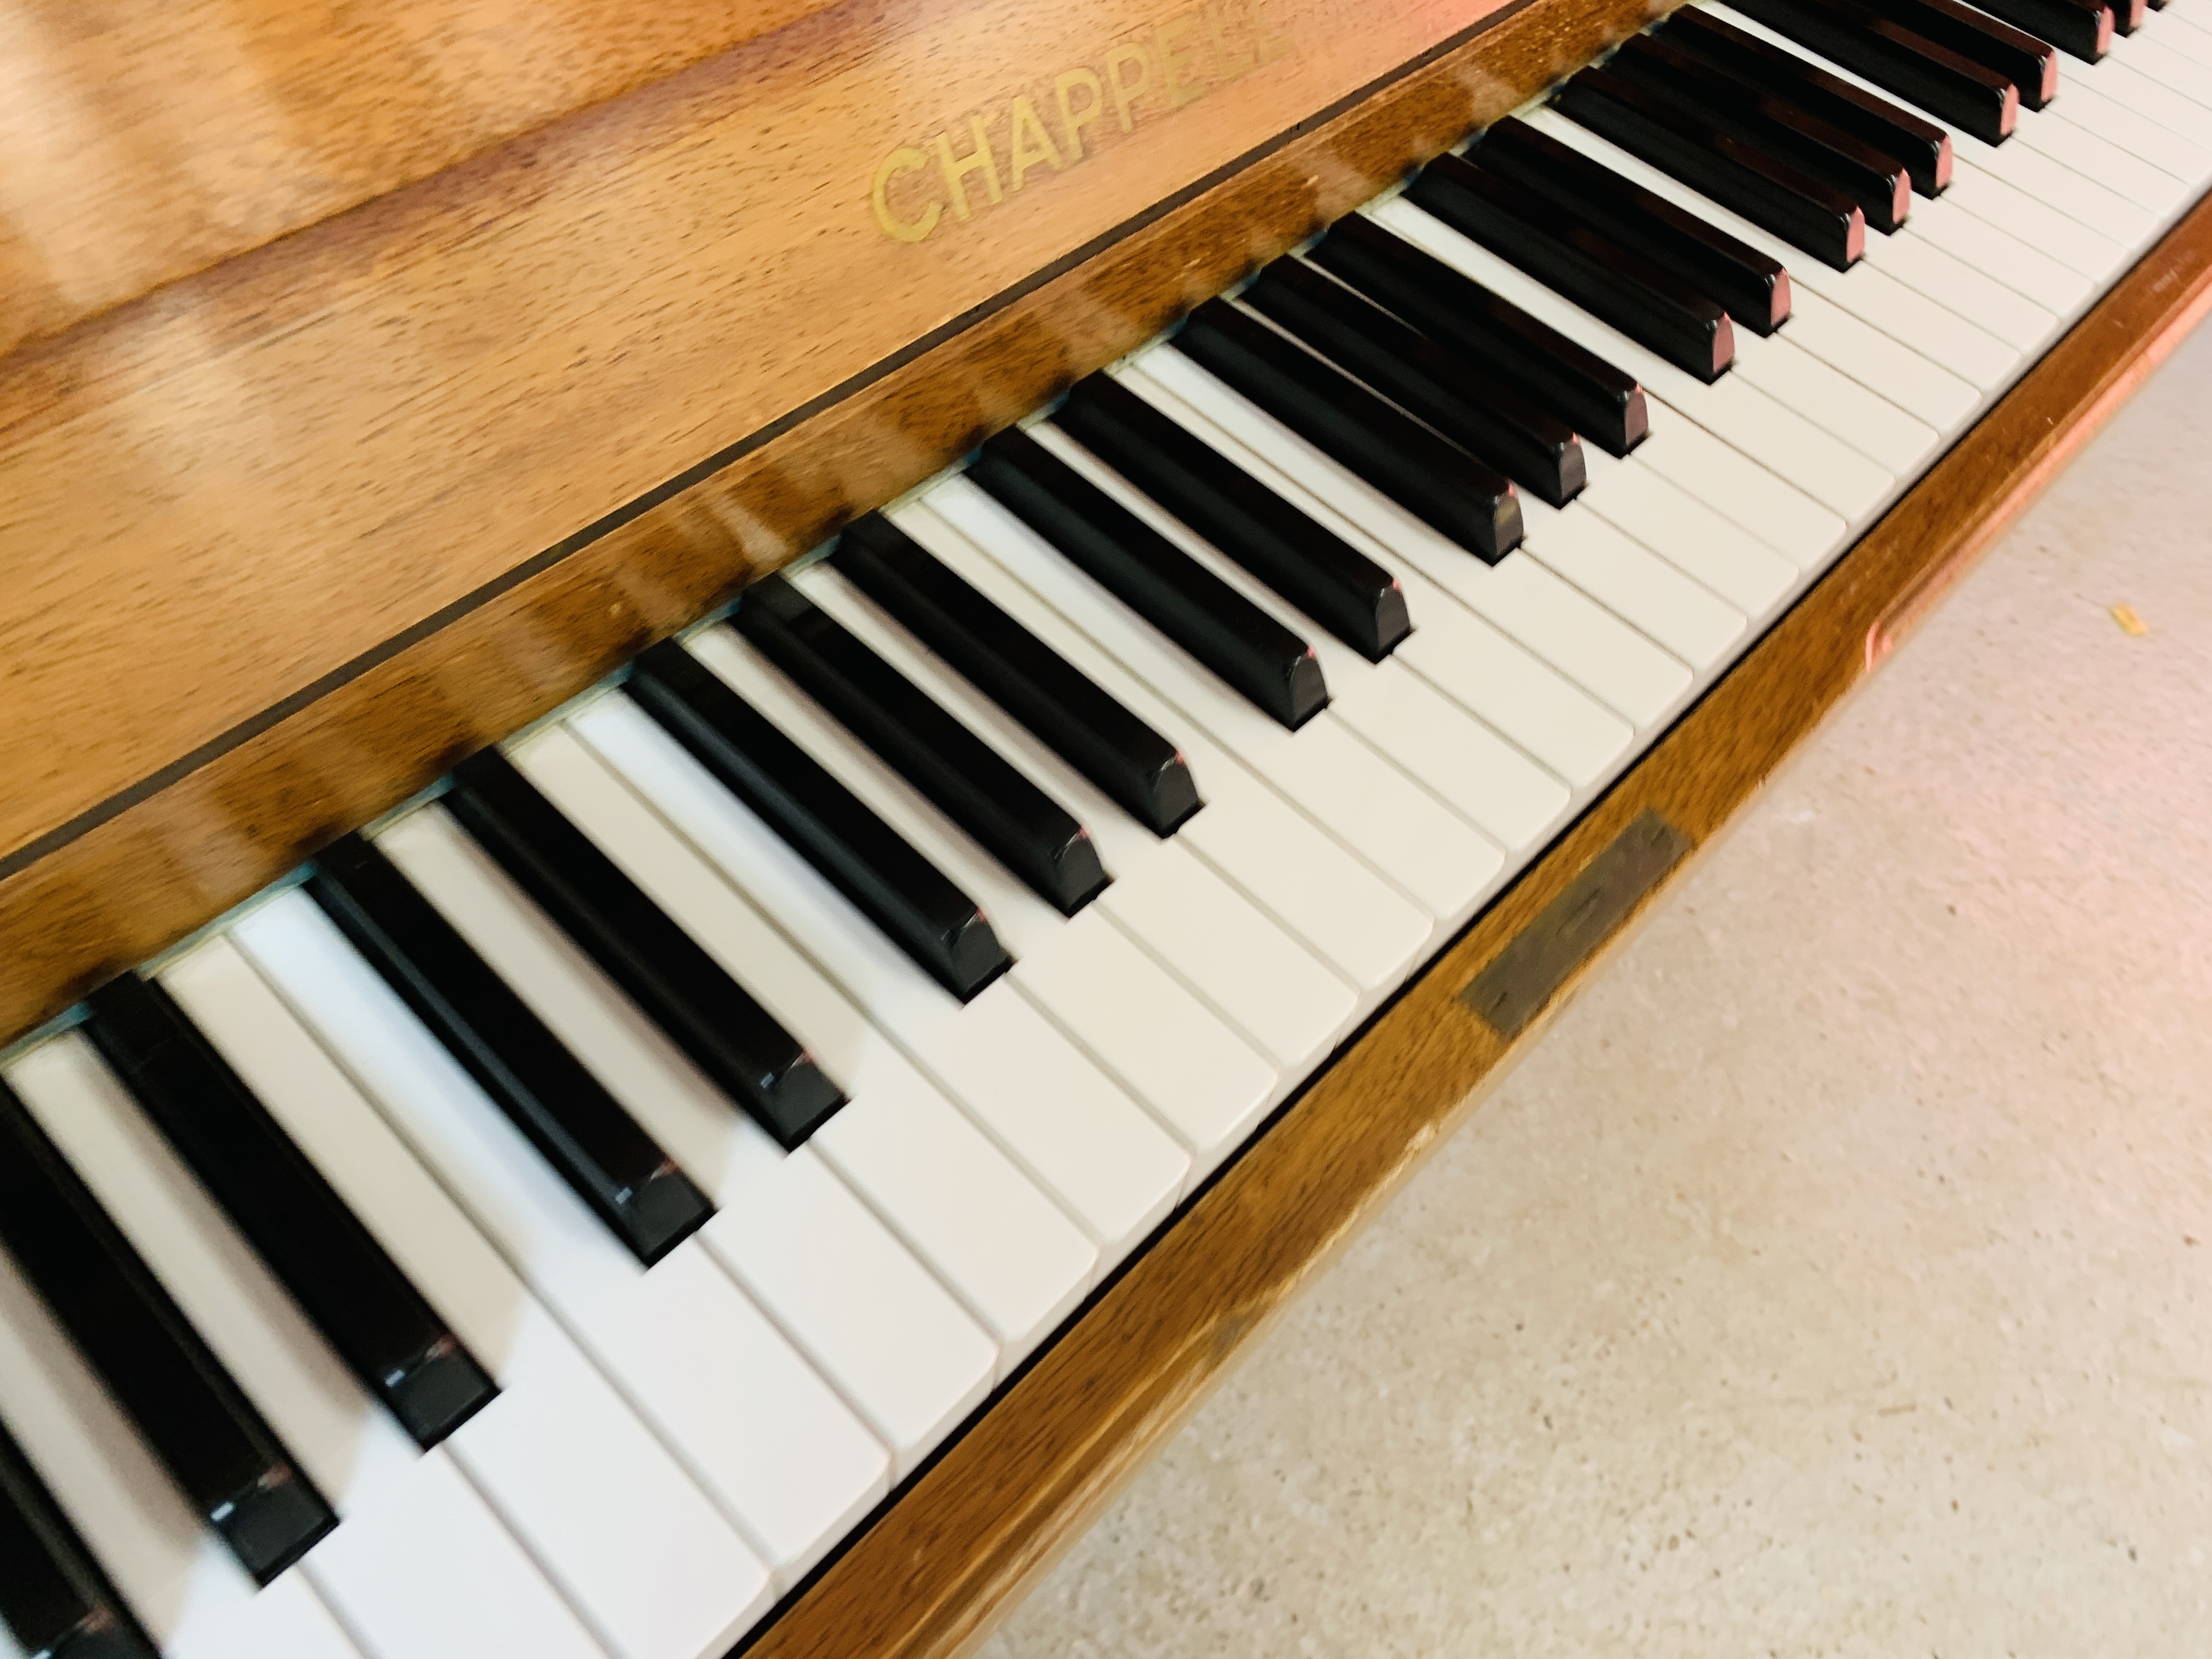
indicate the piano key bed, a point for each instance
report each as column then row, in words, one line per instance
column 556, row 1218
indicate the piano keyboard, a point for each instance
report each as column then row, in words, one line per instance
column 554, row 1220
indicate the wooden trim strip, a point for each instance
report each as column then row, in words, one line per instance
column 952, row 1553
column 222, row 826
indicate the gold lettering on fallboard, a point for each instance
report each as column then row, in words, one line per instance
column 1030, row 143
column 1204, row 45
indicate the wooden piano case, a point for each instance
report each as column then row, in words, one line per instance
column 375, row 383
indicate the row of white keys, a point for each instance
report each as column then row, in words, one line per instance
column 1515, row 645
column 952, row 1359
column 185, row 1586
column 1309, row 882
column 1403, row 832
column 1271, row 988
column 1901, row 334
column 1203, row 1080
column 645, row 1560
column 680, row 1341
column 1493, row 787
column 695, row 849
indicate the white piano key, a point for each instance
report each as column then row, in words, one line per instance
column 2098, row 107
column 451, row 1584
column 1870, row 423
column 2088, row 253
column 1405, row 833
column 345, row 1441
column 1914, row 259
column 1693, row 624
column 877, row 976
column 185, row 1587
column 2085, row 143
column 2057, row 288
column 1591, row 646
column 1788, row 442
column 1268, row 985
column 289, row 1620
column 1016, row 1282
column 1732, row 484
column 1932, row 331
column 1111, row 1162
column 2162, row 85
column 1849, row 343
column 792, row 1492
column 650, row 1564
column 1691, row 535
column 1309, row 882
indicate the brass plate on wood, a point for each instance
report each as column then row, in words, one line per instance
column 1521, row 982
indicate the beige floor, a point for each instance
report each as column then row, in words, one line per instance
column 1836, row 1277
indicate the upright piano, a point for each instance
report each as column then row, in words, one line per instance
column 759, row 759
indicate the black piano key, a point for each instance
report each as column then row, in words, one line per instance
column 1752, row 287
column 713, row 1019
column 215, row 1444
column 936, row 924
column 1474, row 408
column 579, row 1128
column 1879, row 182
column 1566, row 252
column 1136, row 767
column 1953, row 88
column 2128, row 15
column 1264, row 661
column 1311, row 566
column 1600, row 402
column 403, row 1353
column 1923, row 147
column 2083, row 28
column 56, row 1601
column 1027, row 831
column 1446, row 487
column 1804, row 211
column 2032, row 66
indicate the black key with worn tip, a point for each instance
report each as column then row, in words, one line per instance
column 210, row 1439
column 1879, row 182
column 969, row 781
column 1255, row 655
column 1331, row 581
column 403, row 1353
column 56, row 1601
column 1752, row 287
column 579, row 1128
column 1444, row 486
column 1804, row 211
column 1474, row 408
column 936, row 924
column 667, row 972
column 1599, row 401
column 1139, row 770
column 1562, row 250
column 1951, row 87
column 2083, row 27
column 1923, row 147
column 2032, row 66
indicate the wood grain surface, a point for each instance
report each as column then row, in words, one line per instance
column 950, row 1554
column 143, row 141
column 217, row 651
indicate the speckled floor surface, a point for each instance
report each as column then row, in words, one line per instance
column 1836, row 1277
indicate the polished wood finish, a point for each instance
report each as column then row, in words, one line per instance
column 931, row 1576
column 220, row 645
column 140, row 143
